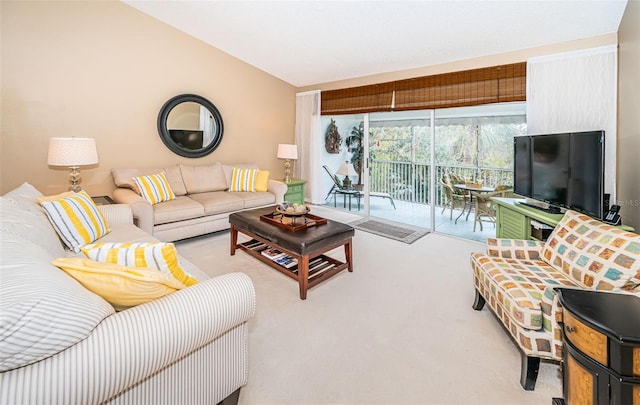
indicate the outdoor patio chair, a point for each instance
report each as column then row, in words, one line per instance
column 453, row 198
column 338, row 188
column 485, row 207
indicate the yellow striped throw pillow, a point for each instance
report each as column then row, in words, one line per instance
column 154, row 188
column 243, row 179
column 152, row 255
column 76, row 218
column 121, row 286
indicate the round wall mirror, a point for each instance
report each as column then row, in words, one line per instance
column 190, row 125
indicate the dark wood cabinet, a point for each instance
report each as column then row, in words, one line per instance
column 601, row 343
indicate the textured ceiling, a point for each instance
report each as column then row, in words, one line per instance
column 313, row 42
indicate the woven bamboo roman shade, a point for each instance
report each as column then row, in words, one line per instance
column 495, row 84
column 374, row 97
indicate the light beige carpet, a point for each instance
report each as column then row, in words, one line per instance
column 398, row 330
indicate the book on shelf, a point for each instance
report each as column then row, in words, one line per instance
column 286, row 261
column 272, row 253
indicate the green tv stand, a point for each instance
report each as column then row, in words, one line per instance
column 513, row 220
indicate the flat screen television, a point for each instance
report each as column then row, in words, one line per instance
column 186, row 138
column 563, row 170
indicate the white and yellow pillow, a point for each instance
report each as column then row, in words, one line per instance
column 154, row 188
column 153, row 255
column 243, row 179
column 121, row 286
column 75, row 217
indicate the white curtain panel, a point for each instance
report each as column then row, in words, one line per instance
column 310, row 142
column 573, row 92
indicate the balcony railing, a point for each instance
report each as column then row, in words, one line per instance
column 409, row 182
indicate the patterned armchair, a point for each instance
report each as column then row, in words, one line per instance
column 518, row 279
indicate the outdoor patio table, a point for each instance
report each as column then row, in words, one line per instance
column 469, row 204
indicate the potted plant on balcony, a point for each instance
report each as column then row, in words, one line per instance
column 355, row 146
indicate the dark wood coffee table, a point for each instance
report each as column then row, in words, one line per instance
column 306, row 246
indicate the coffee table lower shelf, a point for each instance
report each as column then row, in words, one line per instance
column 312, row 269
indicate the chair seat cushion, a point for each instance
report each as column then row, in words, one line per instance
column 518, row 285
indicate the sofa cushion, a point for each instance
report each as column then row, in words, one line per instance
column 154, row 188
column 29, row 223
column 201, row 179
column 219, row 202
column 593, row 254
column 42, row 311
column 122, row 286
column 153, row 255
column 75, row 217
column 257, row 199
column 124, row 178
column 178, row 209
column 243, row 179
column 518, row 285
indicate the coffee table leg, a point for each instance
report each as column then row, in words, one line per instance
column 348, row 255
column 303, row 276
column 234, row 240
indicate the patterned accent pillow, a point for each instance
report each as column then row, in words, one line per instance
column 594, row 254
column 153, row 255
column 121, row 286
column 154, row 188
column 76, row 218
column 262, row 180
column 243, row 179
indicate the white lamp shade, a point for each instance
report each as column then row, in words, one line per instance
column 287, row 151
column 72, row 152
column 346, row 169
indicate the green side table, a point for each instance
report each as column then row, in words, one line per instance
column 295, row 192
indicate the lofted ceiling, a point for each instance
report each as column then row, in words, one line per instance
column 313, row 42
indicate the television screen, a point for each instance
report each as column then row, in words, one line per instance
column 522, row 165
column 563, row 170
column 186, row 138
column 586, row 186
column 550, row 168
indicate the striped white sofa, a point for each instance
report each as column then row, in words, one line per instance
column 62, row 344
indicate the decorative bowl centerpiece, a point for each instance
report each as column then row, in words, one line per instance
column 292, row 210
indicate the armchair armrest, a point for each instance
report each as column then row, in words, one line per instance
column 515, row 249
column 142, row 209
column 117, row 214
column 279, row 189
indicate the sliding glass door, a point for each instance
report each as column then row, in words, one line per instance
column 394, row 163
column 399, row 161
column 473, row 145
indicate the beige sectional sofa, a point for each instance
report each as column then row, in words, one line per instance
column 518, row 277
column 62, row 344
column 202, row 204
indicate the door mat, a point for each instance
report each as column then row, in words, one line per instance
column 396, row 231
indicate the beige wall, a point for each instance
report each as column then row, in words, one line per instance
column 102, row 69
column 629, row 116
